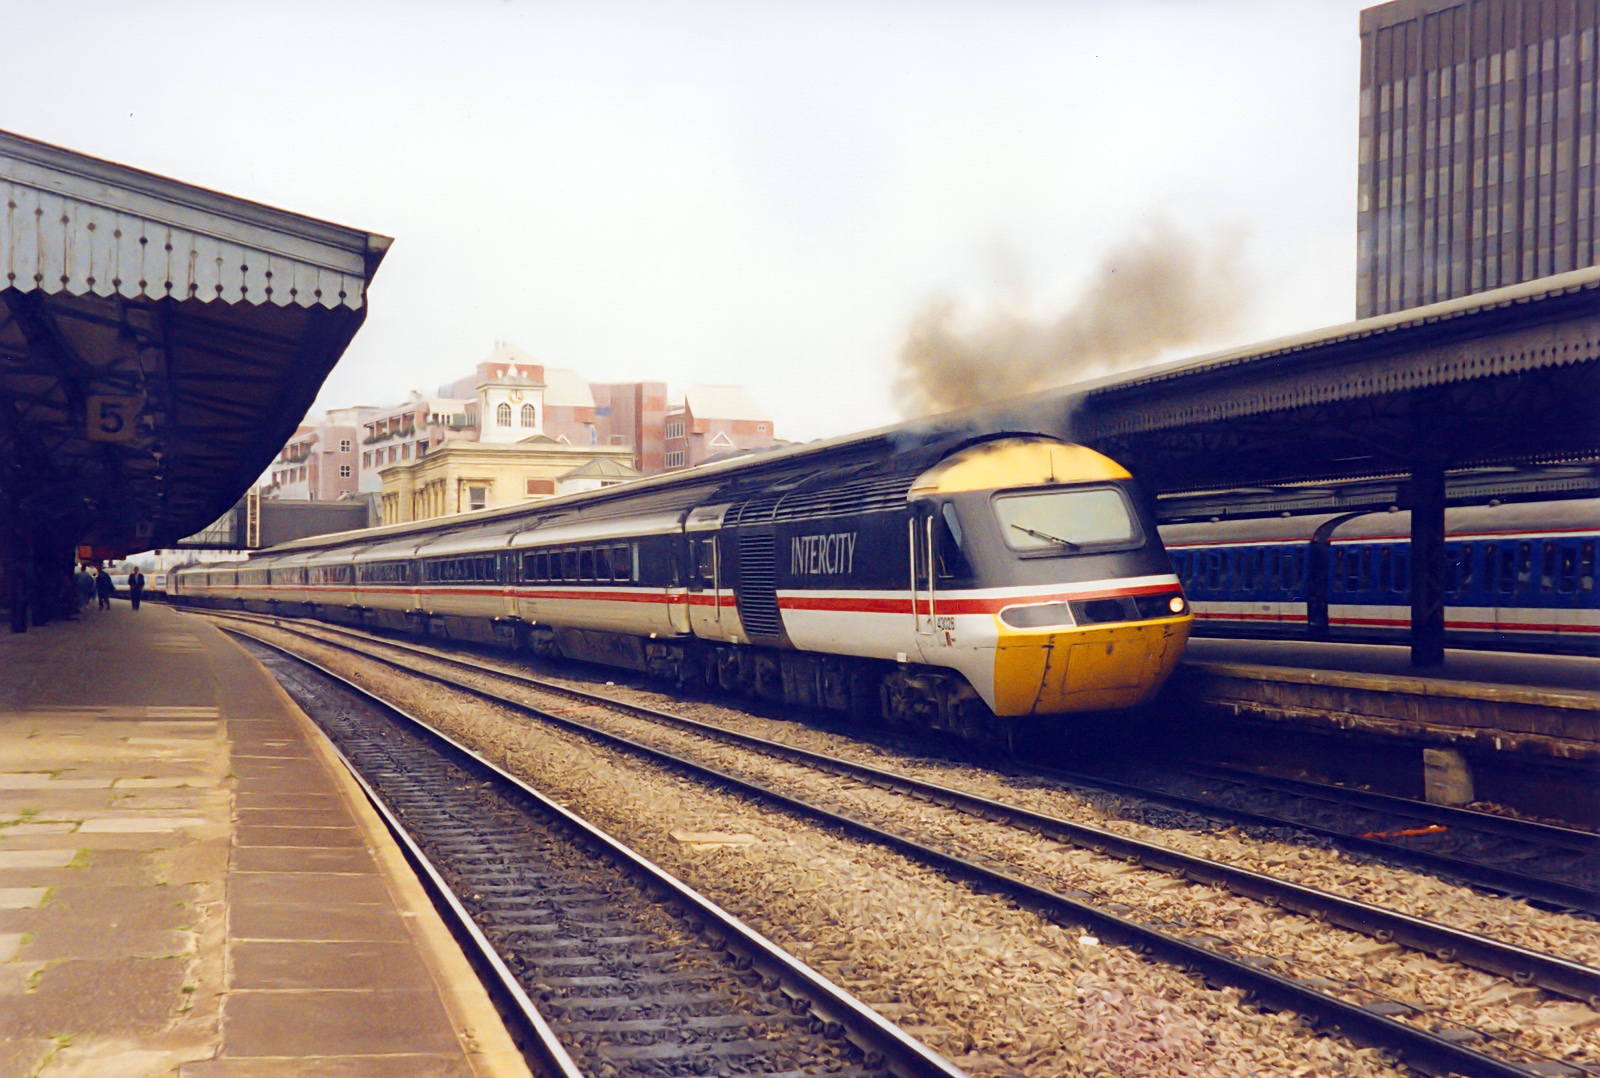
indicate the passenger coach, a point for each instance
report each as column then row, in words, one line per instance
column 958, row 584
column 1516, row 576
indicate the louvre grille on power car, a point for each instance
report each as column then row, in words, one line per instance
column 757, row 590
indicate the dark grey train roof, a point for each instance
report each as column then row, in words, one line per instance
column 854, row 463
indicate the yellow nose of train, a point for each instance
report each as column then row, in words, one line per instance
column 1051, row 671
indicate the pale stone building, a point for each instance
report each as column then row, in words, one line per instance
column 462, row 476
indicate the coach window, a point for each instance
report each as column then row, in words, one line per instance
column 1336, row 578
column 1507, row 573
column 1213, row 568
column 1524, row 567
column 569, row 565
column 1385, row 568
column 1569, row 570
column 621, row 562
column 952, row 560
column 1275, row 569
column 586, row 563
column 602, row 563
column 1586, row 566
column 1247, row 569
column 1547, row 573
column 1402, row 570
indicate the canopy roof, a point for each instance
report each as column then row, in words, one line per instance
column 158, row 342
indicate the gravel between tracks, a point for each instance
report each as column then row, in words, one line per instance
column 987, row 984
column 1440, row 990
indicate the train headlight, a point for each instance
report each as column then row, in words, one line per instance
column 1038, row 616
column 1176, row 605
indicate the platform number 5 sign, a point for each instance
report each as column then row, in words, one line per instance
column 113, row 419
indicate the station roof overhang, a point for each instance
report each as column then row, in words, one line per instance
column 1501, row 382
column 158, row 343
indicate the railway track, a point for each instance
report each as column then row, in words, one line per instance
column 1361, row 1011
column 633, row 971
column 1555, row 867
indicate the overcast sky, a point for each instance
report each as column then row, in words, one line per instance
column 740, row 192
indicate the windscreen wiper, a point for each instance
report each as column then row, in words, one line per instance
column 1047, row 537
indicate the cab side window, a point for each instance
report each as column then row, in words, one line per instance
column 707, row 563
column 951, row 559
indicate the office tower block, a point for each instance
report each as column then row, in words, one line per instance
column 1478, row 145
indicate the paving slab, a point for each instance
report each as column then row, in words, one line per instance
column 191, row 886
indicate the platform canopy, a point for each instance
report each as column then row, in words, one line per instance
column 158, row 344
column 1496, row 381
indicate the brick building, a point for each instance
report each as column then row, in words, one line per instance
column 511, row 399
column 713, row 421
column 321, row 463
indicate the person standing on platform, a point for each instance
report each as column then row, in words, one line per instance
column 85, row 585
column 135, row 586
column 104, row 588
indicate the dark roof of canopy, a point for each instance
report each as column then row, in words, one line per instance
column 206, row 322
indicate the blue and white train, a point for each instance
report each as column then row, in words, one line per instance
column 1517, row 576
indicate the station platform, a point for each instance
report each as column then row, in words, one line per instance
column 1509, row 669
column 1539, row 705
column 191, row 885
column 1520, row 730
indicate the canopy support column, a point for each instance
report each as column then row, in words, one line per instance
column 1427, row 562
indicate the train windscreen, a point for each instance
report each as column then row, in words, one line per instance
column 1097, row 517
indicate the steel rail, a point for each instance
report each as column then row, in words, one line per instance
column 550, row 1057
column 1524, row 966
column 863, row 1026
column 1552, row 893
column 1521, row 965
column 1571, row 838
column 1418, row 1047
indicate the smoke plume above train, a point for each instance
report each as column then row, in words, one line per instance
column 1157, row 290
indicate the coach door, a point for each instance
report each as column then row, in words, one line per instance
column 707, row 577
column 924, row 590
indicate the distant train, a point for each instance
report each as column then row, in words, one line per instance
column 1517, row 576
column 959, row 584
